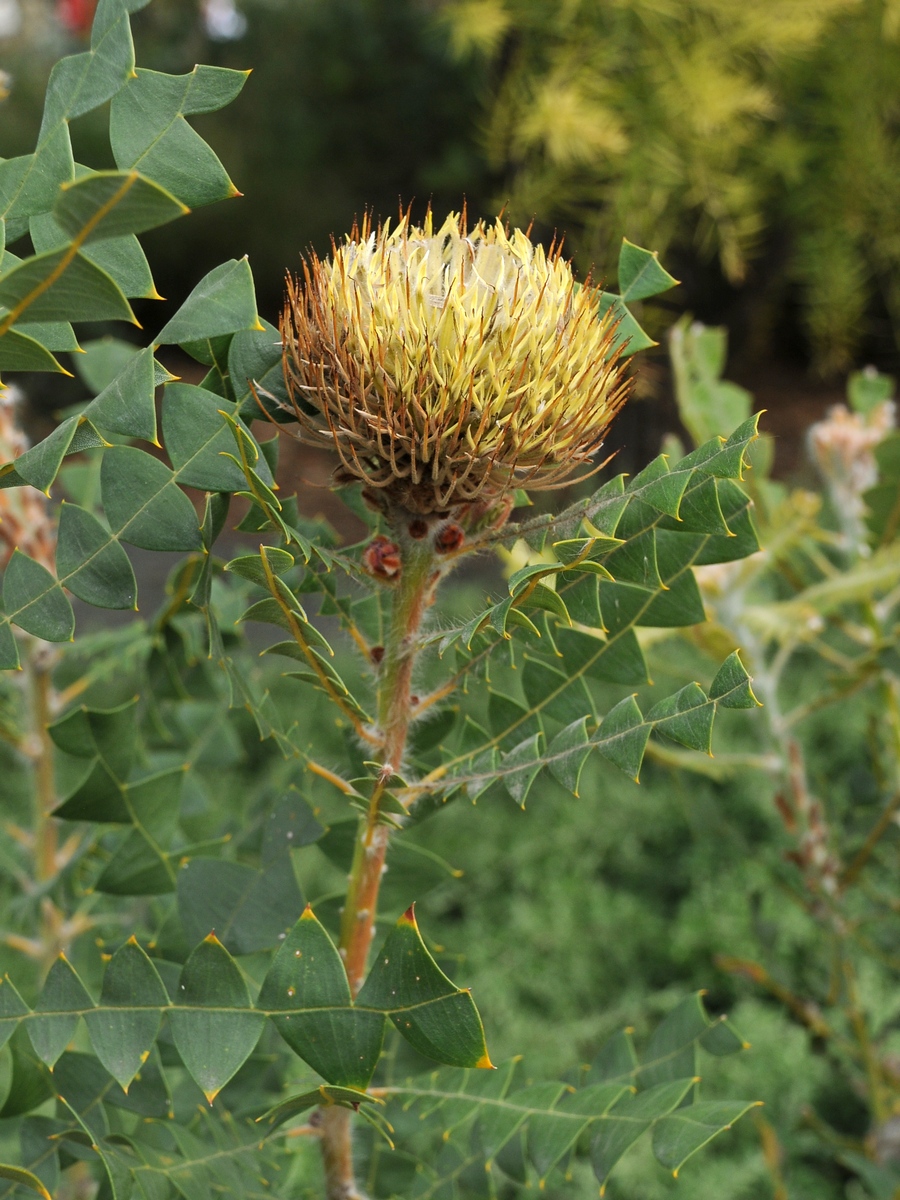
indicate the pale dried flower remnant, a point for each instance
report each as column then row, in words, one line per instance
column 843, row 447
column 25, row 520
column 450, row 365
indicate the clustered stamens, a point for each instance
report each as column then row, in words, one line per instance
column 449, row 367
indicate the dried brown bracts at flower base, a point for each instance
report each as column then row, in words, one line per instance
column 449, row 366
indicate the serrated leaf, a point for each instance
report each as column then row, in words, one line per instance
column 124, row 1025
column 686, row 717
column 622, row 737
column 96, row 569
column 617, row 659
column 102, row 360
column 250, row 566
column 322, row 1096
column 12, row 1009
column 629, row 337
column 521, row 766
column 224, row 301
column 628, row 1119
column 559, row 696
column 22, row 1178
column 567, row 754
column 62, row 285
column 19, row 352
column 126, row 403
column 683, row 1133
column 35, row 602
column 144, row 504
column 199, row 440
column 247, row 908
column 62, row 998
column 308, row 996
column 148, row 131
column 435, row 1016
column 111, row 204
column 213, row 1043
column 641, row 274
column 731, row 685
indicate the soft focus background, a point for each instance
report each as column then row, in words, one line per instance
column 757, row 147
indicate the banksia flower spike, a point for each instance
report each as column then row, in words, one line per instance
column 450, row 366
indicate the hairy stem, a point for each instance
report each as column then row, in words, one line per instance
column 413, row 593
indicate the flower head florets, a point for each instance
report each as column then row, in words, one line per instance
column 450, row 365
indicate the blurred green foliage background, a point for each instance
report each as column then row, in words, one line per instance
column 755, row 146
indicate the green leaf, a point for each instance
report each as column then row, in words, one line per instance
column 148, row 131
column 672, row 1050
column 143, row 503
column 308, row 996
column 618, row 659
column 521, row 766
column 439, row 1019
column 63, row 285
column 214, row 1044
column 322, row 1096
column 102, row 360
column 250, row 566
column 124, row 1025
column 731, row 686
column 629, row 336
column 95, row 568
column 622, row 737
column 110, row 204
column 199, row 441
column 120, row 257
column 556, row 694
column 686, row 717
column 224, row 301
column 137, row 868
column 40, row 464
column 640, row 273
column 107, row 734
column 12, row 1008
column 248, row 909
column 126, row 403
column 35, row 602
column 255, row 355
column 18, row 352
column 677, row 1137
column 631, row 1117
column 62, row 998
column 25, row 1179
column 567, row 754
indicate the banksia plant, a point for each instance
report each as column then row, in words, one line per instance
column 450, row 370
column 447, row 366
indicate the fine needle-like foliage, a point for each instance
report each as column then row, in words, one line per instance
column 447, row 370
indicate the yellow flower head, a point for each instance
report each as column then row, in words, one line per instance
column 452, row 365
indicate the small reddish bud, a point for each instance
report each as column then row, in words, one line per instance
column 381, row 558
column 450, row 538
column 414, row 700
column 376, row 654
column 418, row 528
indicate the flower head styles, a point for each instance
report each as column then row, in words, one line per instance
column 450, row 365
